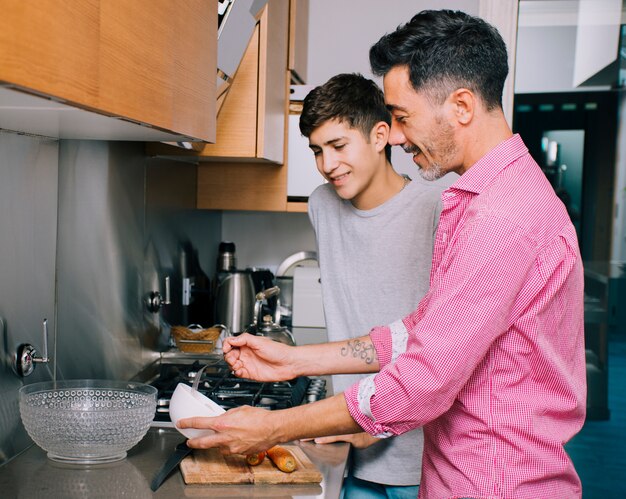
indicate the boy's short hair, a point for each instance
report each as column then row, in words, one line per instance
column 349, row 98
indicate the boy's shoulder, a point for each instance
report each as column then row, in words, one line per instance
column 419, row 188
column 322, row 195
column 430, row 189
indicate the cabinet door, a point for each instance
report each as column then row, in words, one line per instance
column 251, row 120
column 242, row 186
column 147, row 61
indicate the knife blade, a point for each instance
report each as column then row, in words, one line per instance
column 172, row 462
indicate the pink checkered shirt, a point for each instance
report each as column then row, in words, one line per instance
column 492, row 362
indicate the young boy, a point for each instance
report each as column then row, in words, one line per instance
column 375, row 231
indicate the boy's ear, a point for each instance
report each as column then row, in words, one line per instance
column 380, row 135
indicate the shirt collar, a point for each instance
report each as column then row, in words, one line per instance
column 486, row 169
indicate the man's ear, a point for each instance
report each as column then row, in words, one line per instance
column 380, row 135
column 463, row 105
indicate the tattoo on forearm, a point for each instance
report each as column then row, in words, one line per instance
column 359, row 349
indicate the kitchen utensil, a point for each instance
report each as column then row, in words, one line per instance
column 263, row 280
column 198, row 377
column 87, row 421
column 234, row 300
column 226, row 260
column 181, row 451
column 265, row 296
column 268, row 327
column 188, row 402
column 271, row 330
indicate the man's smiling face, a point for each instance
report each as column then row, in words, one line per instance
column 420, row 127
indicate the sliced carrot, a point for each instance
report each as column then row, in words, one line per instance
column 282, row 458
column 255, row 459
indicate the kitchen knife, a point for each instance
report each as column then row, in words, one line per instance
column 172, row 462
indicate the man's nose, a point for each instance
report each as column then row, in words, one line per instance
column 396, row 135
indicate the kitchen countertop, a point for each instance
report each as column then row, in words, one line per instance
column 33, row 475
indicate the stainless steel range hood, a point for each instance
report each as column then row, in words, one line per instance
column 236, row 21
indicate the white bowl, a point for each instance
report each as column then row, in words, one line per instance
column 188, row 403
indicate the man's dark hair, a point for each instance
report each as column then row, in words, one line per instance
column 445, row 50
column 349, row 98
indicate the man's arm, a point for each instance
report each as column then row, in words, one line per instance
column 246, row 430
column 359, row 440
column 262, row 359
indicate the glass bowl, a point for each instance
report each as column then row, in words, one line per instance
column 87, row 421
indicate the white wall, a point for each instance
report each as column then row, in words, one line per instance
column 545, row 59
column 265, row 239
column 342, row 32
column 562, row 43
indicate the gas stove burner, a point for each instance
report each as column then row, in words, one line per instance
column 235, row 387
column 267, row 401
column 219, row 384
column 232, row 395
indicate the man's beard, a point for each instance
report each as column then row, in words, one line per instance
column 433, row 172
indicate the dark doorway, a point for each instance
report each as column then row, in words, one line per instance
column 572, row 136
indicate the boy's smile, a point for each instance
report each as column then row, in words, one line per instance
column 355, row 165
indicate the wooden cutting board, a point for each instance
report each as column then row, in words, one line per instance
column 208, row 466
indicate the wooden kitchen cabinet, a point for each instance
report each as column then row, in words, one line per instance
column 151, row 62
column 246, row 167
column 251, row 120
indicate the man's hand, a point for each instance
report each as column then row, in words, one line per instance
column 357, row 440
column 243, row 430
column 259, row 358
column 247, row 430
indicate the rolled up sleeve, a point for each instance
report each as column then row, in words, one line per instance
column 475, row 296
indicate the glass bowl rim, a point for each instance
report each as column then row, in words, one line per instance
column 89, row 384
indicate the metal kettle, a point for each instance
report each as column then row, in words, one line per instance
column 269, row 326
column 235, row 300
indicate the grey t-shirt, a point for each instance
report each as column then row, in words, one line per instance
column 375, row 268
